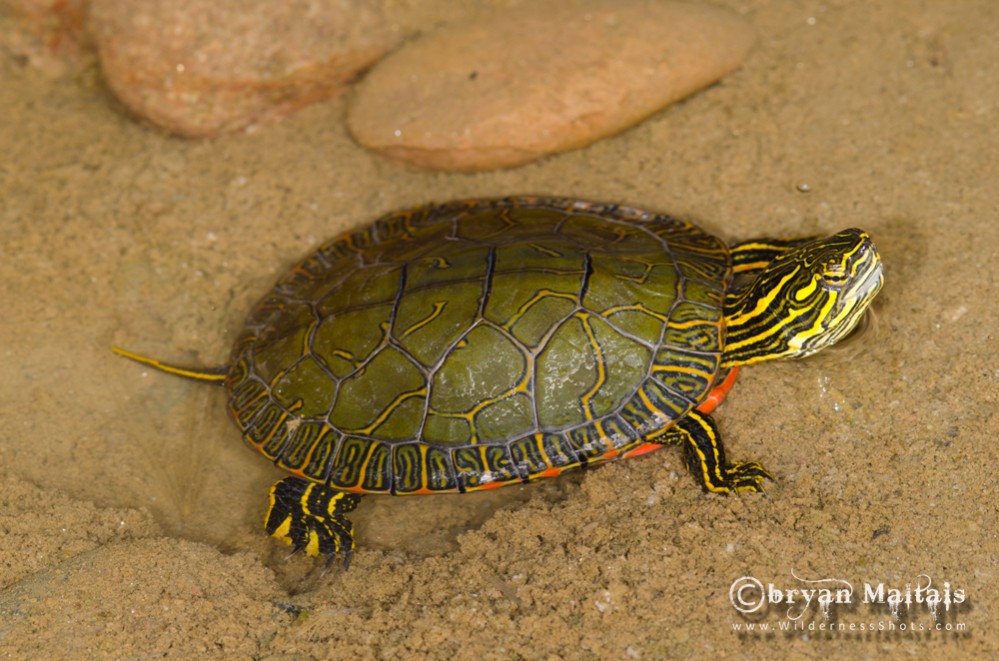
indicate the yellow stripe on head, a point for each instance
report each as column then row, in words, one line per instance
column 805, row 300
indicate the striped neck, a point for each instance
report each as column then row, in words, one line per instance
column 808, row 298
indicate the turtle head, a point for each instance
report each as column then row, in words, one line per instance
column 806, row 299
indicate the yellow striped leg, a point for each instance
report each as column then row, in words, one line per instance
column 705, row 456
column 311, row 518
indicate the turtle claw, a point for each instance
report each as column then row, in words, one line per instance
column 347, row 554
column 330, row 557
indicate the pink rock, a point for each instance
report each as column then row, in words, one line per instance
column 202, row 67
column 509, row 88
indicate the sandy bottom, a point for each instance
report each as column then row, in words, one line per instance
column 131, row 512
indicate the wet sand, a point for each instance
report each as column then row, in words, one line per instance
column 131, row 511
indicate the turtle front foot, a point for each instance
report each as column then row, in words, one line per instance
column 743, row 476
column 311, row 517
column 705, row 457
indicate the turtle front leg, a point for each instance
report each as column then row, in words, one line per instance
column 311, row 517
column 705, row 456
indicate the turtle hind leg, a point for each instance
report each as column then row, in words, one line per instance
column 705, row 457
column 311, row 517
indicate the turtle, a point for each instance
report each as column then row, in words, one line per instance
column 479, row 343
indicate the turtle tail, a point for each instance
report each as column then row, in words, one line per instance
column 206, row 374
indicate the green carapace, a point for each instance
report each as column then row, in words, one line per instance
column 479, row 343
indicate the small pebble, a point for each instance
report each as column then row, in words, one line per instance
column 203, row 67
column 515, row 85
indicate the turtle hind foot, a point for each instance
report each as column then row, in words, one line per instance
column 311, row 517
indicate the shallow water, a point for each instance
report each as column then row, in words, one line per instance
column 132, row 510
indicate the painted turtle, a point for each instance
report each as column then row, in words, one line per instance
column 480, row 343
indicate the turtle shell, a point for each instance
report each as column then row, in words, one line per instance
column 476, row 343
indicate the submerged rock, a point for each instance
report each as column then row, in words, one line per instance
column 203, row 67
column 507, row 88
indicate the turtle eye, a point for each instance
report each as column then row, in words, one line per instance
column 834, row 275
